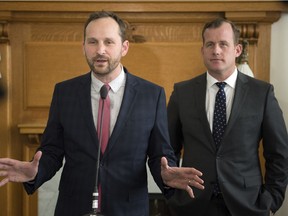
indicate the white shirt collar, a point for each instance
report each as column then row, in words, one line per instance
column 114, row 84
column 231, row 80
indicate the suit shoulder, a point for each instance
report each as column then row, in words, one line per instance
column 191, row 81
column 256, row 83
column 74, row 80
column 142, row 82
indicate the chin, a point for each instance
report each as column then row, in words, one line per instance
column 101, row 72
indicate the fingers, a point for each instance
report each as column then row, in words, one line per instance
column 195, row 172
column 181, row 177
column 190, row 191
column 4, row 181
column 196, row 182
column 193, row 175
column 6, row 162
column 196, row 179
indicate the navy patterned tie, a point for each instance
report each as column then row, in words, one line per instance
column 219, row 119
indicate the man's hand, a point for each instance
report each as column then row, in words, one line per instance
column 18, row 171
column 181, row 177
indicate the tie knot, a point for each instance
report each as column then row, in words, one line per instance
column 104, row 91
column 221, row 85
column 107, row 86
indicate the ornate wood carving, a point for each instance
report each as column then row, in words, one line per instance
column 249, row 32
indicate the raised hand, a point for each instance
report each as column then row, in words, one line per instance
column 181, row 177
column 18, row 171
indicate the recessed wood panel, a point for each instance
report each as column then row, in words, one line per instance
column 47, row 63
column 165, row 63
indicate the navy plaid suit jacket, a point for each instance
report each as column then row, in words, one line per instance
column 140, row 132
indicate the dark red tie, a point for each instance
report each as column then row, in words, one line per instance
column 105, row 133
column 105, row 118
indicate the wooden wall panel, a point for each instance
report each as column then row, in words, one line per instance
column 162, row 63
column 5, row 121
column 47, row 63
column 165, row 63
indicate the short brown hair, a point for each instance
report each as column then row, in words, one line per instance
column 217, row 23
column 104, row 14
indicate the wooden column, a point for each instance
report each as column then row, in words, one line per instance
column 33, row 133
column 5, row 100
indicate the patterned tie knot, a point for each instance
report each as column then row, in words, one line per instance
column 221, row 85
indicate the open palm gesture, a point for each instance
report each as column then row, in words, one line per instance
column 18, row 171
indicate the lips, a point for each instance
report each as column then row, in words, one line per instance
column 101, row 60
column 216, row 60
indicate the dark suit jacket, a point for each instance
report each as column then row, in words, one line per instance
column 255, row 116
column 141, row 131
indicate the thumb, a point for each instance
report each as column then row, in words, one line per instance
column 37, row 157
column 164, row 163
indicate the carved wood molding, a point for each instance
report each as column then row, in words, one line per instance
column 68, row 11
column 33, row 131
column 148, row 5
column 247, row 14
column 249, row 32
column 4, row 32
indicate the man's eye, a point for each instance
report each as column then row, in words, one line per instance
column 91, row 42
column 223, row 44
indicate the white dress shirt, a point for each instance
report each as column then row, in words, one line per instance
column 115, row 93
column 211, row 91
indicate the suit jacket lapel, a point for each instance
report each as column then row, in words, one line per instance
column 241, row 91
column 85, row 100
column 200, row 97
column 124, row 112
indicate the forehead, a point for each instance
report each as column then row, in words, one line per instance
column 223, row 32
column 103, row 26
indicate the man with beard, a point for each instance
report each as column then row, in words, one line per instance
column 138, row 131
